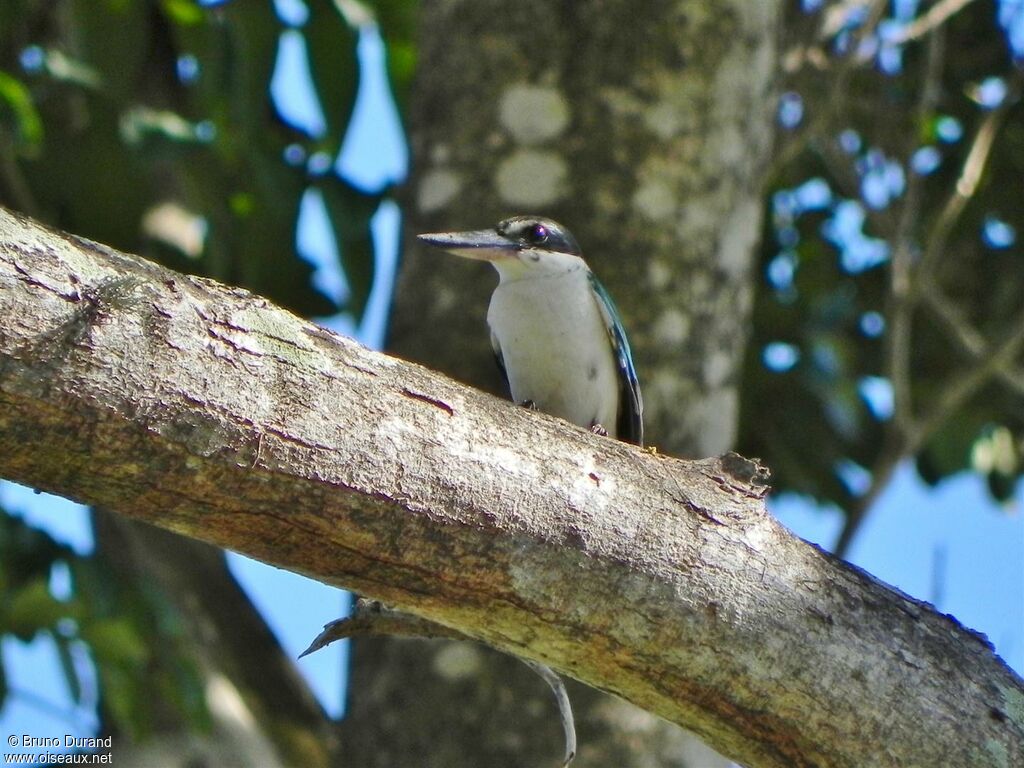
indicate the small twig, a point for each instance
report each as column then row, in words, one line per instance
column 966, row 185
column 911, row 440
column 882, row 471
column 935, row 16
column 902, row 271
column 834, row 18
column 962, row 388
column 939, row 575
column 966, row 336
column 371, row 618
column 832, row 22
column 564, row 706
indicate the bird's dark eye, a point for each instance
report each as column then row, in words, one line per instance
column 537, row 234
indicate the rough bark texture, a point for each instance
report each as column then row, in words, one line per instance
column 207, row 411
column 644, row 127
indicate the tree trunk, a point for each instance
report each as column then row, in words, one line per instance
column 207, row 411
column 644, row 128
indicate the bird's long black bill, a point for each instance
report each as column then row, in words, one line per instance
column 483, row 244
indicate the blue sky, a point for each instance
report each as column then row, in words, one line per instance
column 949, row 545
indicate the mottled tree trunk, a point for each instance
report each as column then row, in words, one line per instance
column 644, row 128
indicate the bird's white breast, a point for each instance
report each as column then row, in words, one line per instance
column 556, row 348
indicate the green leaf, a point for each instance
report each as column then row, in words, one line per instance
column 185, row 12
column 29, row 125
column 125, row 699
column 32, row 608
column 398, row 23
column 116, row 640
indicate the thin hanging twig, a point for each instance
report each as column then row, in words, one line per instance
column 371, row 618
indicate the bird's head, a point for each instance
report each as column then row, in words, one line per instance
column 520, row 247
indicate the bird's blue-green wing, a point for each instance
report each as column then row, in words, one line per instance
column 630, row 426
column 500, row 360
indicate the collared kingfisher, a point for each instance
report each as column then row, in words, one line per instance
column 555, row 331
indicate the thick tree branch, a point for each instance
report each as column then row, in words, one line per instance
column 207, row 411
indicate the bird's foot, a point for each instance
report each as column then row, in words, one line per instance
column 597, row 429
column 529, row 404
